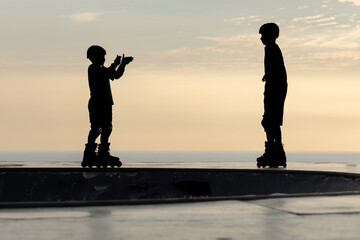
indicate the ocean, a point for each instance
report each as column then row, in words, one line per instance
column 172, row 156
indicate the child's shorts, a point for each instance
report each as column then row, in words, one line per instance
column 100, row 116
column 273, row 110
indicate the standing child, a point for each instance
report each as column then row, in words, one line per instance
column 100, row 107
column 274, row 98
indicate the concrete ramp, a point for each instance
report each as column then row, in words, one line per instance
column 61, row 186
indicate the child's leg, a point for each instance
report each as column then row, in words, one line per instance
column 277, row 134
column 281, row 156
column 106, row 123
column 90, row 158
column 105, row 135
column 104, row 149
column 95, row 128
column 94, row 134
column 269, row 130
column 268, row 157
column 269, row 135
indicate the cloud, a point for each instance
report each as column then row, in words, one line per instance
column 235, row 40
column 235, row 19
column 323, row 20
column 315, row 21
column 303, row 7
column 327, row 24
column 308, row 18
column 339, row 40
column 355, row 2
column 326, row 48
column 84, row 17
column 243, row 20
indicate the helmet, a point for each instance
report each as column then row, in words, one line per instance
column 270, row 29
column 95, row 51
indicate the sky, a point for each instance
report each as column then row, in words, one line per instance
column 195, row 83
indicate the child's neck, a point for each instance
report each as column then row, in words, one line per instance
column 271, row 43
column 97, row 64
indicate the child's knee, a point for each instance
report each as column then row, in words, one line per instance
column 107, row 130
column 97, row 130
column 269, row 125
column 266, row 123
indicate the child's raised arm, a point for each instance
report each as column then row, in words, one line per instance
column 115, row 63
column 125, row 61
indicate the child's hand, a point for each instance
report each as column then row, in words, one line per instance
column 117, row 60
column 127, row 60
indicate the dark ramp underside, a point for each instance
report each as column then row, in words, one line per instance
column 27, row 187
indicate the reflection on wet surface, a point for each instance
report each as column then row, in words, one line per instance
column 24, row 215
column 265, row 219
column 313, row 206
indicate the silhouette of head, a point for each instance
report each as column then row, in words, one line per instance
column 269, row 32
column 96, row 54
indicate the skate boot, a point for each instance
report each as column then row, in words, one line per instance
column 105, row 158
column 90, row 157
column 280, row 155
column 268, row 158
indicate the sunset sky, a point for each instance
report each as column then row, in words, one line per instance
column 195, row 83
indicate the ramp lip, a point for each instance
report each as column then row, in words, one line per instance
column 162, row 169
column 51, row 204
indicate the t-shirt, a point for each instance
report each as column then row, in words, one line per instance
column 99, row 84
column 275, row 72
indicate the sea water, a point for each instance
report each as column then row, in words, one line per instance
column 172, row 156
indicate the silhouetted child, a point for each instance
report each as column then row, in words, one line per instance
column 100, row 106
column 274, row 98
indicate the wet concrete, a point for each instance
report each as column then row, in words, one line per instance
column 290, row 218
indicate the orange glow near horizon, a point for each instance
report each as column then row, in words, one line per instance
column 195, row 83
